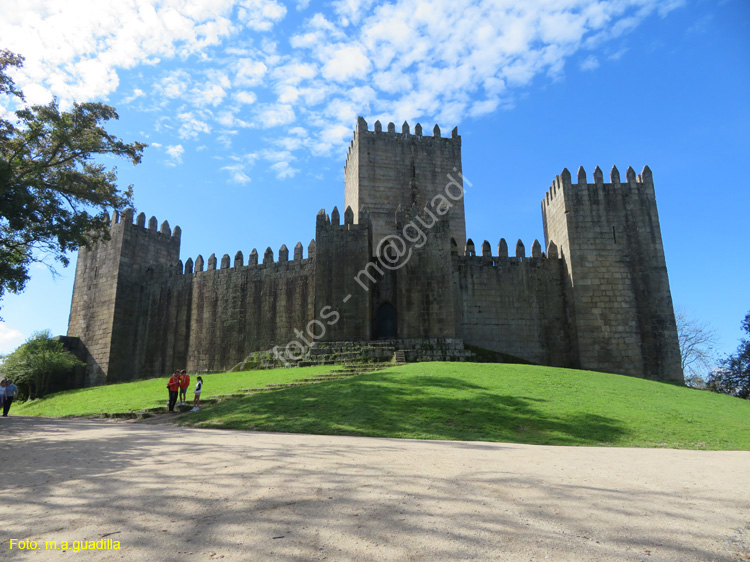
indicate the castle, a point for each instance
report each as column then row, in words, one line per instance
column 398, row 267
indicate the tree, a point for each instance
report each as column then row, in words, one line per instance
column 54, row 195
column 37, row 363
column 734, row 376
column 697, row 343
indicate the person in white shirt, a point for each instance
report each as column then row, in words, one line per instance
column 197, row 399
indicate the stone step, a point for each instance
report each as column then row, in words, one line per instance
column 255, row 390
column 341, row 373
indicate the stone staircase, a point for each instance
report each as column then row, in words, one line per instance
column 394, row 351
column 364, row 352
column 355, row 358
column 149, row 412
column 345, row 372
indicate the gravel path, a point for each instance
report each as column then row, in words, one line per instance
column 168, row 493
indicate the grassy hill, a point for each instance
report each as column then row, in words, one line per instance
column 470, row 401
column 151, row 393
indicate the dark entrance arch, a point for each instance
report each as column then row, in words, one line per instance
column 385, row 322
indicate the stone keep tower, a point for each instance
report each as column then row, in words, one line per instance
column 598, row 298
column 388, row 170
column 101, row 313
column 400, row 180
column 620, row 309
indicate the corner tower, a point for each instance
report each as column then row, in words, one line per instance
column 102, row 312
column 386, row 170
column 618, row 299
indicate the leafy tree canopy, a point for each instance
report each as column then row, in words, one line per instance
column 37, row 363
column 54, row 195
column 734, row 376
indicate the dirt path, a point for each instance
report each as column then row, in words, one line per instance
column 168, row 493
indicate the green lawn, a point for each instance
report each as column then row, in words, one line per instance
column 463, row 401
column 497, row 402
column 152, row 393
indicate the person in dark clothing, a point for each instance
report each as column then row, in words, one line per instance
column 11, row 390
column 174, row 388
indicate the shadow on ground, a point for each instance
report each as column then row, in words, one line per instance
column 378, row 405
column 172, row 493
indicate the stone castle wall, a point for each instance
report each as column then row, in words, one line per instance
column 342, row 308
column 235, row 310
column 616, row 275
column 514, row 305
column 100, row 313
column 598, row 298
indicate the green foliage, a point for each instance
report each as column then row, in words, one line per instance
column 54, row 197
column 496, row 402
column 151, row 393
column 734, row 376
column 37, row 363
column 465, row 401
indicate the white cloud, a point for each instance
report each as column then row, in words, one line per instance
column 175, row 152
column 238, row 170
column 260, row 15
column 137, row 93
column 666, row 6
column 351, row 11
column 192, row 125
column 282, row 160
column 209, row 94
column 245, row 97
column 10, row 338
column 590, row 63
column 274, row 115
column 294, row 72
column 284, row 170
column 237, row 173
column 345, row 63
column 174, row 84
column 248, row 72
column 483, row 107
column 224, row 65
column 75, row 49
column 225, row 138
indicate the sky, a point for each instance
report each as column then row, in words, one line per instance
column 248, row 107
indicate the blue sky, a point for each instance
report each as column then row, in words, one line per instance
column 248, row 107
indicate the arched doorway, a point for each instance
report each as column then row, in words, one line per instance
column 385, row 322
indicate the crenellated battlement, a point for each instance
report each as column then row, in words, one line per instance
column 595, row 295
column 403, row 135
column 196, row 267
column 502, row 257
column 362, row 128
column 125, row 219
column 563, row 182
column 333, row 221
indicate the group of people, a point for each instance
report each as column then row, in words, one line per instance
column 178, row 384
column 8, row 392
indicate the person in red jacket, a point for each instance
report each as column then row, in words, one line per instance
column 174, row 387
column 184, row 383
